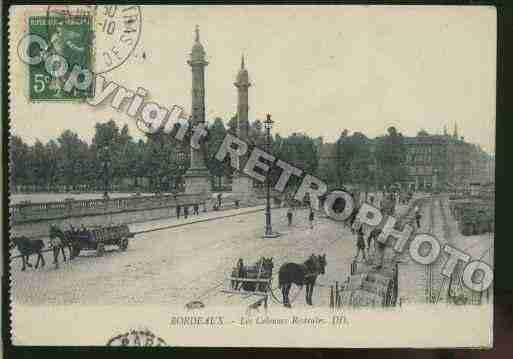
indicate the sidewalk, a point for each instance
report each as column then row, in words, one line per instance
column 173, row 222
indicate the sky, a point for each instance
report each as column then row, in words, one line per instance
column 315, row 69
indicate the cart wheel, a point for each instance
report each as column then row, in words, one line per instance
column 100, row 250
column 123, row 244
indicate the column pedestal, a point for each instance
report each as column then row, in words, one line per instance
column 242, row 189
column 197, row 181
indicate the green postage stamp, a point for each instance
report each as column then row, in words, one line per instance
column 67, row 52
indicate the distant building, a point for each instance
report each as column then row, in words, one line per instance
column 433, row 161
column 446, row 161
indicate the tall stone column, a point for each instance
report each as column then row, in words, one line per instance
column 197, row 177
column 242, row 185
column 242, row 84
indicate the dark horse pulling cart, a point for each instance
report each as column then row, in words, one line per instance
column 301, row 274
column 97, row 238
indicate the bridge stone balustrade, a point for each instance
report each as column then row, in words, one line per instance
column 33, row 219
column 32, row 212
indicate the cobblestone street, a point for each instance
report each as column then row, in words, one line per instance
column 176, row 261
column 188, row 262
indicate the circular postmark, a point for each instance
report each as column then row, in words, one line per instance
column 116, row 30
column 136, row 338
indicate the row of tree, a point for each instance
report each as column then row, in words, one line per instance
column 358, row 160
column 70, row 163
column 114, row 159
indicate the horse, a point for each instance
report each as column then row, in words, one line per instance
column 301, row 274
column 27, row 247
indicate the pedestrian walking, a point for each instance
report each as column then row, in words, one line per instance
column 196, row 209
column 178, row 211
column 418, row 216
column 379, row 249
column 185, row 211
column 289, row 216
column 369, row 242
column 311, row 218
column 56, row 242
column 373, row 237
column 360, row 244
column 352, row 219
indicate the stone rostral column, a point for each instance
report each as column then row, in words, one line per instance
column 197, row 177
column 242, row 186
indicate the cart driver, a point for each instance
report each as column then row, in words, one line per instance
column 56, row 242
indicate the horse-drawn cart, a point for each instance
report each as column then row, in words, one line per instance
column 253, row 280
column 97, row 238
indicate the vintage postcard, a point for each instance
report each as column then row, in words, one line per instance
column 263, row 176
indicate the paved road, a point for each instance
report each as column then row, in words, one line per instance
column 176, row 265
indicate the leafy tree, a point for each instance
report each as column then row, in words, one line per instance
column 51, row 163
column 106, row 134
column 38, row 165
column 139, row 167
column 19, row 161
column 72, row 151
column 358, row 147
column 257, row 133
column 342, row 159
column 232, row 125
column 391, row 158
column 298, row 150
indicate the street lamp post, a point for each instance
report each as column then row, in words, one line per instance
column 435, row 179
column 268, row 124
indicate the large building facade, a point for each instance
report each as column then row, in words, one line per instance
column 445, row 161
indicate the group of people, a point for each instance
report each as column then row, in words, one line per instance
column 59, row 240
column 290, row 216
column 365, row 245
column 371, row 245
column 195, row 208
column 77, row 230
column 405, row 198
